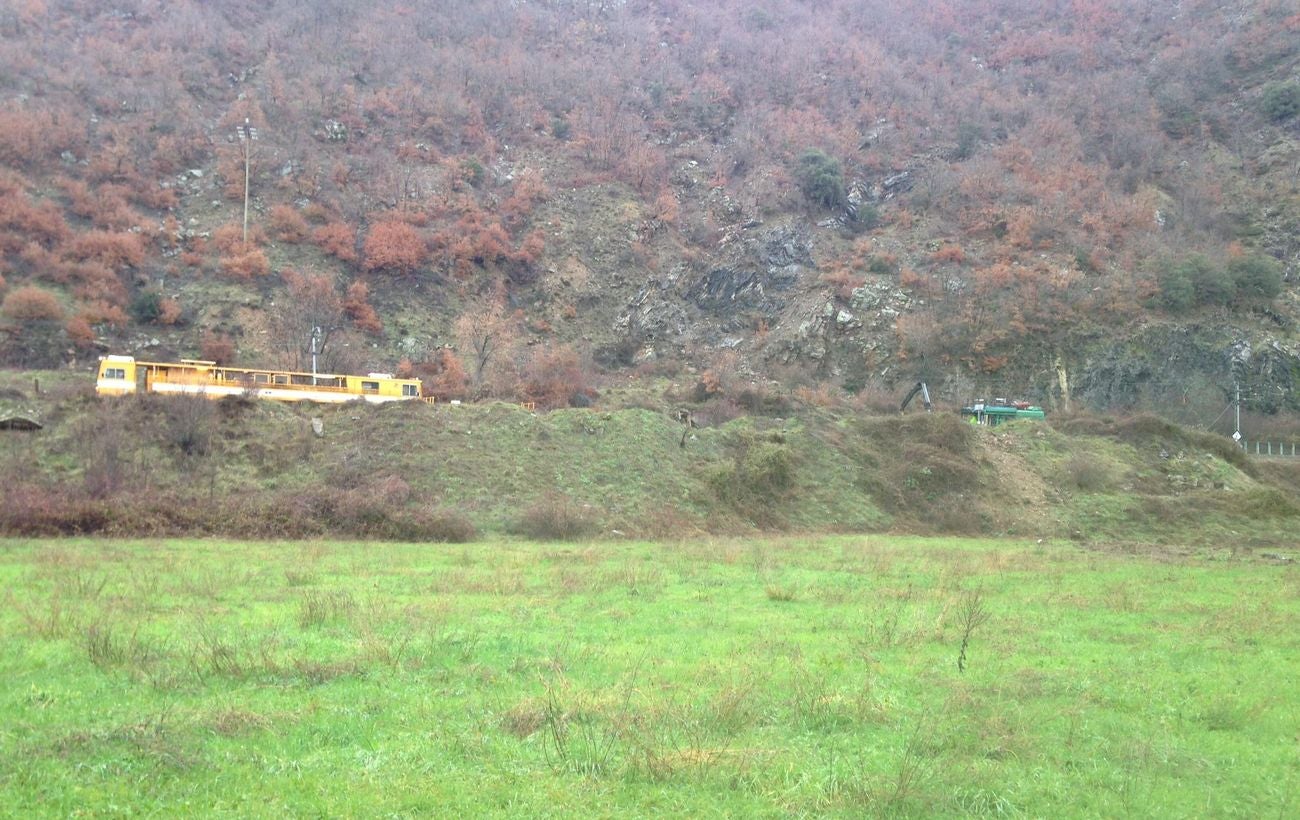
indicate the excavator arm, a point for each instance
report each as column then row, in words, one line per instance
column 925, row 397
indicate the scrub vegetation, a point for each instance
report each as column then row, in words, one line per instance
column 171, row 466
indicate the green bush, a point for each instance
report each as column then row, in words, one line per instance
column 1196, row 282
column 146, row 307
column 968, row 139
column 1213, row 284
column 1177, row 294
column 1257, row 278
column 821, row 179
column 1178, row 113
column 1281, row 101
column 882, row 265
column 864, row 219
column 759, row 479
column 473, row 171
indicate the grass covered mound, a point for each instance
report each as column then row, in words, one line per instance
column 849, row 676
column 158, row 466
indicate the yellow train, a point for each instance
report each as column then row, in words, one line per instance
column 121, row 376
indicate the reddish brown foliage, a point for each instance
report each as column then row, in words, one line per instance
column 105, row 205
column 42, row 263
column 246, row 266
column 169, row 311
column 95, row 282
column 287, row 224
column 31, row 304
column 113, row 249
column 552, row 376
column 23, row 221
column 665, row 209
column 103, row 313
column 79, row 331
column 357, row 306
column 444, row 376
column 529, row 191
column 843, row 283
column 476, row 239
column 29, row 138
column 337, row 240
column 950, row 253
column 531, row 248
column 217, row 347
column 396, row 246
column 229, row 238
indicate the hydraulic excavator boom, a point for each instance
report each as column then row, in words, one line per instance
column 925, row 397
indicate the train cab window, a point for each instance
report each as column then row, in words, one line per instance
column 410, row 390
column 115, row 373
column 370, row 387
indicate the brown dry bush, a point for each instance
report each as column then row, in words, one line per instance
column 942, row 431
column 38, row 511
column 31, row 510
column 1087, row 472
column 1083, row 424
column 556, row 517
column 288, row 224
column 922, row 469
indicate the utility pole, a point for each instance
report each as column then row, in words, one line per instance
column 315, row 337
column 246, row 134
column 1236, row 435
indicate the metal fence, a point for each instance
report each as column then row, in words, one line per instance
column 1286, row 449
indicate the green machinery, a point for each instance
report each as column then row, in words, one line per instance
column 997, row 411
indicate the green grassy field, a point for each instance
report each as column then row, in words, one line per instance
column 717, row 677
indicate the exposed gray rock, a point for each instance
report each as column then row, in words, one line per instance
column 785, row 246
column 651, row 316
column 1162, row 364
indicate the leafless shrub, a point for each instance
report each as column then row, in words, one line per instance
column 187, row 423
column 971, row 614
column 556, row 517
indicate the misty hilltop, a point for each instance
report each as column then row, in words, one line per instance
column 1091, row 202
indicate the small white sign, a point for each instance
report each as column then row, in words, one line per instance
column 1236, row 436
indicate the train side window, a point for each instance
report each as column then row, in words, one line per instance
column 410, row 390
column 370, row 387
column 280, row 379
column 260, row 378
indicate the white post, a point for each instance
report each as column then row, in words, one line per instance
column 315, row 335
column 246, row 133
column 1238, row 427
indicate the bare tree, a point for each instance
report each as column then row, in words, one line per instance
column 485, row 334
column 312, row 306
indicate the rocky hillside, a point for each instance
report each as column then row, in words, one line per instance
column 1088, row 204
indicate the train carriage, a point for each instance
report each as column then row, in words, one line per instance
column 124, row 375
